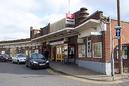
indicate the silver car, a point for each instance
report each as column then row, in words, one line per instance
column 20, row 58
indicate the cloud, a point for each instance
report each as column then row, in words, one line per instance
column 109, row 7
column 16, row 16
column 125, row 9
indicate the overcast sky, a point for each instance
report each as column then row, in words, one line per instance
column 16, row 16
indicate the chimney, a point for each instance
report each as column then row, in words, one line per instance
column 83, row 14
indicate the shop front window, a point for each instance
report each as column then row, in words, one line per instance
column 81, row 50
column 58, row 50
column 65, row 50
column 125, row 53
column 97, row 50
column 71, row 51
column 89, row 48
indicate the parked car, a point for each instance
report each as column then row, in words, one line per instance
column 5, row 58
column 37, row 61
column 20, row 58
column 2, row 59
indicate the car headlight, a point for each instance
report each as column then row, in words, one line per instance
column 47, row 61
column 35, row 62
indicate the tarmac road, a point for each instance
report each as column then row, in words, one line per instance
column 19, row 75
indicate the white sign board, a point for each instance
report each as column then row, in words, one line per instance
column 2, row 52
column 70, row 19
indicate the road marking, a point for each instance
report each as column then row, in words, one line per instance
column 86, row 80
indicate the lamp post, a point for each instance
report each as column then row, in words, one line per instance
column 119, row 39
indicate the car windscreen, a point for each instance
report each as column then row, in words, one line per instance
column 37, row 56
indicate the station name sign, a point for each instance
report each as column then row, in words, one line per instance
column 70, row 19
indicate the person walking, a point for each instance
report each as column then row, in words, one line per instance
column 46, row 54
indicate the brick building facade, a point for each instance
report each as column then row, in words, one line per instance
column 90, row 43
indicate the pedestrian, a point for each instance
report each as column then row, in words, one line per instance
column 46, row 54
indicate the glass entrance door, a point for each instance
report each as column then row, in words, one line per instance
column 59, row 53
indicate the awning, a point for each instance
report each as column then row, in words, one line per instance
column 57, row 42
column 91, row 23
column 67, row 31
column 53, row 34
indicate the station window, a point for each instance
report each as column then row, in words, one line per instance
column 124, row 53
column 88, row 48
column 97, row 50
column 81, row 50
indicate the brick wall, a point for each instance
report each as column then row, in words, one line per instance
column 106, row 44
column 34, row 33
column 124, row 41
column 125, row 31
column 45, row 30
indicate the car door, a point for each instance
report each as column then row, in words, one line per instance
column 16, row 59
column 28, row 61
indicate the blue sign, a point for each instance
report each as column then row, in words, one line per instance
column 118, row 32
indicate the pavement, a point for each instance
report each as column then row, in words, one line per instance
column 79, row 72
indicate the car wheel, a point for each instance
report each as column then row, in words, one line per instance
column 47, row 65
column 27, row 65
column 17, row 61
column 32, row 67
column 13, row 62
